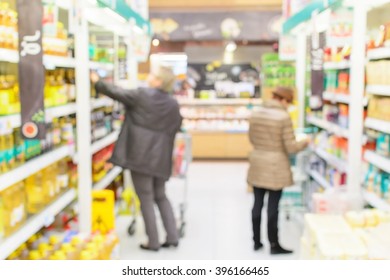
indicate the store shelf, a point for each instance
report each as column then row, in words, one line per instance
column 332, row 160
column 381, row 162
column 378, row 90
column 14, row 121
column 35, row 223
column 379, row 125
column 101, row 102
column 337, row 97
column 337, row 65
column 33, row 166
column 52, row 62
column 331, row 127
column 111, row 175
column 320, row 179
column 189, row 117
column 375, row 201
column 216, row 131
column 102, row 143
column 222, row 101
column 380, row 53
column 49, row 61
column 9, row 56
column 101, row 66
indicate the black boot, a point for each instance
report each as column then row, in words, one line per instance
column 256, row 233
column 276, row 249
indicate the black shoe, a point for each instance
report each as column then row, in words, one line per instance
column 257, row 246
column 167, row 244
column 278, row 250
column 145, row 247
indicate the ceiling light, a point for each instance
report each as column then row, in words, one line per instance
column 156, row 42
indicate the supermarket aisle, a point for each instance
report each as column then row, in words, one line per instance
column 218, row 219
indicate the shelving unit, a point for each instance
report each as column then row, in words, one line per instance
column 337, row 97
column 379, row 53
column 331, row 127
column 337, row 65
column 332, row 160
column 375, row 201
column 378, row 90
column 379, row 161
column 222, row 101
column 33, row 166
column 320, row 179
column 110, row 20
column 111, row 175
column 35, row 223
column 379, row 125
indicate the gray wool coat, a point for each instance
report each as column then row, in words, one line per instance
column 146, row 140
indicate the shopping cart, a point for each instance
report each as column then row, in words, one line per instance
column 182, row 157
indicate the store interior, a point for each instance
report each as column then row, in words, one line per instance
column 60, row 198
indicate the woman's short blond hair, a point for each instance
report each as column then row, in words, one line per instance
column 167, row 77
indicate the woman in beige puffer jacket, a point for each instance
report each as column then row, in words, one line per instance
column 272, row 136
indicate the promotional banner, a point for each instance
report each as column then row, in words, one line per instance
column 207, row 76
column 251, row 26
column 31, row 70
column 317, row 45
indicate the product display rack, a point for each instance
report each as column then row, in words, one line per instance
column 320, row 179
column 220, row 131
column 301, row 26
column 35, row 223
column 124, row 27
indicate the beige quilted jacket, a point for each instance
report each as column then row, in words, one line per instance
column 272, row 136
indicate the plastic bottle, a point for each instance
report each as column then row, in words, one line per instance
column 62, row 174
column 77, row 243
column 19, row 148
column 23, row 252
column 58, row 255
column 35, row 255
column 69, row 251
column 35, row 193
column 49, row 184
column 56, row 132
column 46, row 250
column 86, row 255
column 2, row 214
column 55, row 242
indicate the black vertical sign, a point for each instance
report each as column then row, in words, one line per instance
column 31, row 70
column 317, row 45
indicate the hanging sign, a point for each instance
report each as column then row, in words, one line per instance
column 31, row 70
column 317, row 70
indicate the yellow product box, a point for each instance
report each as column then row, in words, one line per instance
column 103, row 211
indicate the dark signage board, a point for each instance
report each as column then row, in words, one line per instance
column 31, row 70
column 317, row 45
column 198, row 26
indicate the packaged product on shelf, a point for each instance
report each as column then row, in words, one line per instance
column 7, row 153
column 35, row 193
column 62, row 174
column 14, row 205
column 2, row 214
column 70, row 81
column 383, row 144
column 49, row 179
column 19, row 147
column 378, row 108
column 33, row 148
column 8, row 27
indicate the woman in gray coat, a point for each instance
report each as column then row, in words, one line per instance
column 145, row 147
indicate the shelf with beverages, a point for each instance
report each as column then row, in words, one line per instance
column 377, row 160
column 108, row 178
column 34, row 223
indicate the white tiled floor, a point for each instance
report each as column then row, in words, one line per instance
column 218, row 219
